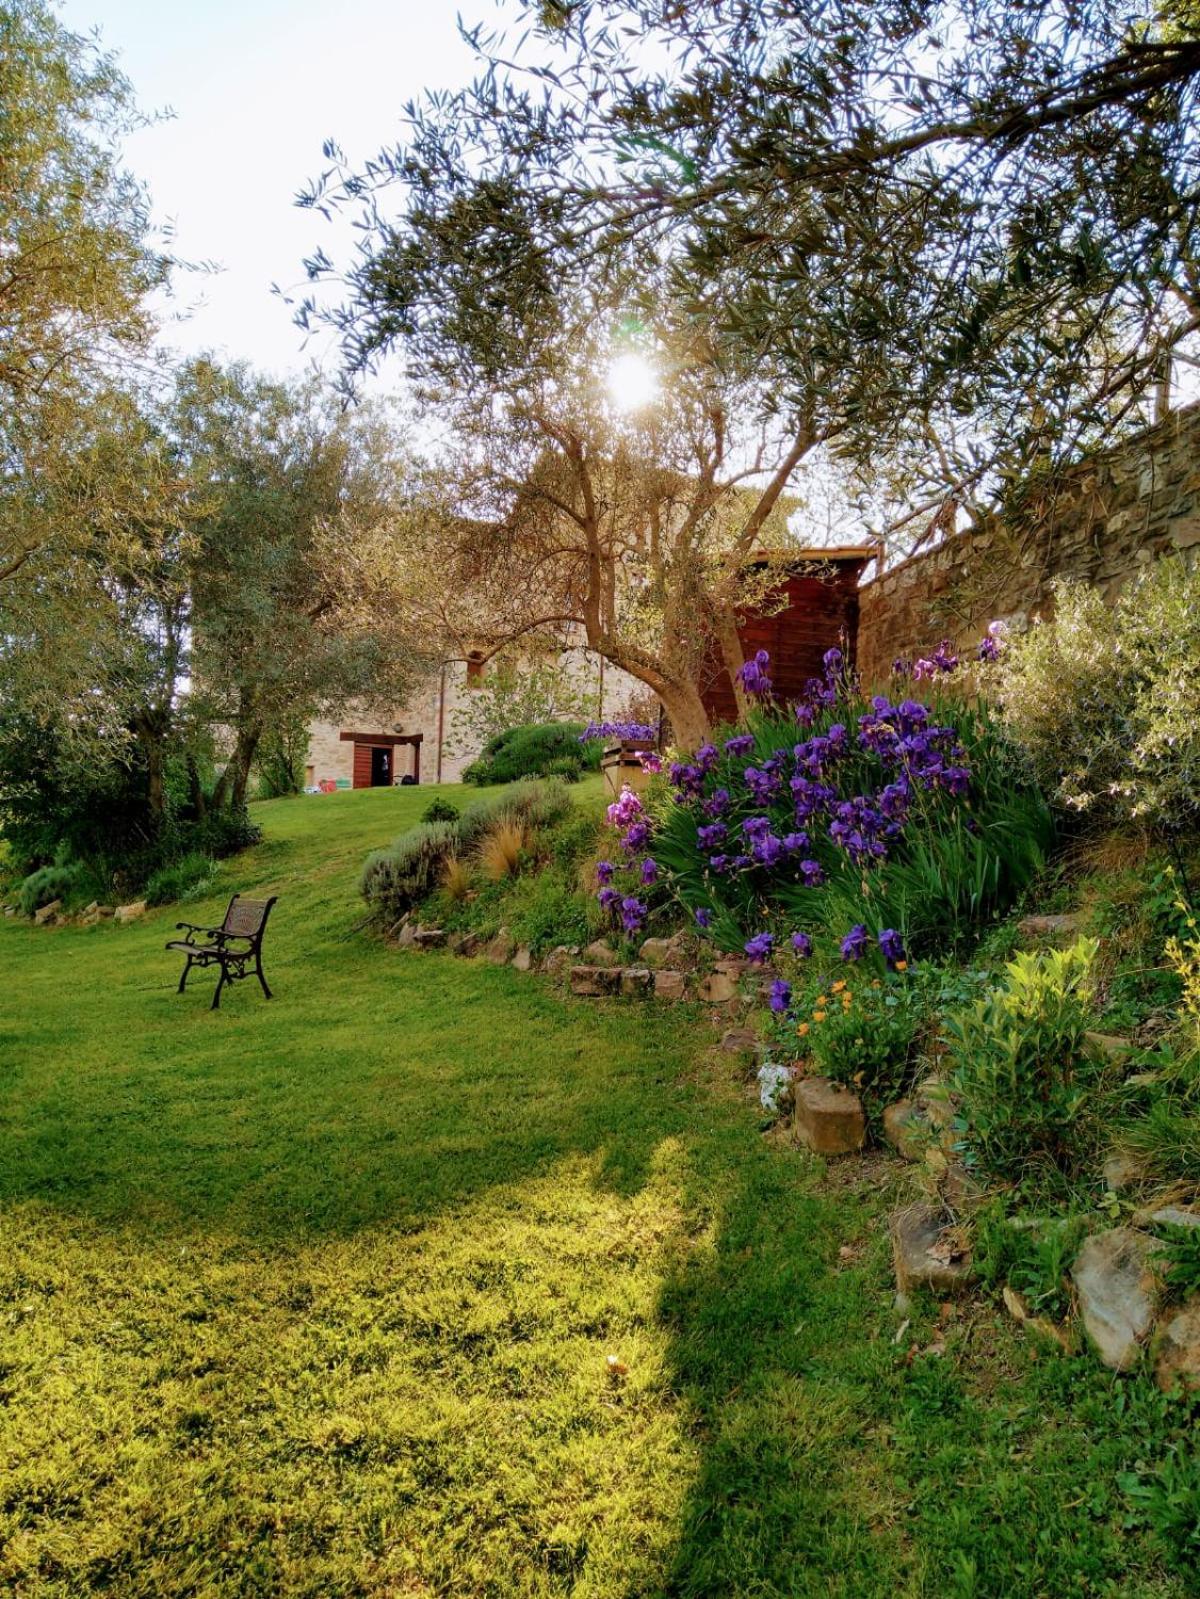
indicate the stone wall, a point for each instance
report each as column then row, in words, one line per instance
column 1108, row 517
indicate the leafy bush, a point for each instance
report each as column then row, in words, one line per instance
column 862, row 1033
column 394, row 879
column 1023, row 1070
column 539, row 750
column 440, row 810
column 182, row 879
column 1180, row 1257
column 1032, row 1255
column 49, row 883
column 918, row 818
column 1105, row 697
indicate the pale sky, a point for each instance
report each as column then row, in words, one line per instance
column 256, row 87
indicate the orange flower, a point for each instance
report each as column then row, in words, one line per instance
column 818, row 1016
column 901, row 966
column 839, row 985
column 803, row 1029
column 821, row 1000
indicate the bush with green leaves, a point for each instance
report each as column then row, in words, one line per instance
column 186, row 878
column 1023, row 1071
column 1104, row 697
column 49, row 883
column 440, row 810
column 862, row 1030
column 540, row 750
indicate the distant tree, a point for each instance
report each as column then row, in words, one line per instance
column 284, row 479
column 517, row 692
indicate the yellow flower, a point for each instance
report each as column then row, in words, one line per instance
column 877, row 984
column 821, row 1000
column 839, row 985
column 901, row 966
column 818, row 1016
column 803, row 1029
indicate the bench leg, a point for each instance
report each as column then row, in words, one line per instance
column 261, row 978
column 187, row 966
column 221, row 981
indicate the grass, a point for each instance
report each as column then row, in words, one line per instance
column 316, row 1297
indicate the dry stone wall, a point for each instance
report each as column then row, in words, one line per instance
column 1108, row 518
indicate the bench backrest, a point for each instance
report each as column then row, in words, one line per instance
column 247, row 917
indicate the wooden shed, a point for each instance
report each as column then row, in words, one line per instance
column 814, row 608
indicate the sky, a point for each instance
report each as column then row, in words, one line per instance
column 256, row 87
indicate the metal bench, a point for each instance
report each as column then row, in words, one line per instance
column 232, row 946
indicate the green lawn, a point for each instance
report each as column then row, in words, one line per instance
column 315, row 1297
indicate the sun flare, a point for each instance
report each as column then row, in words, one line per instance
column 632, row 382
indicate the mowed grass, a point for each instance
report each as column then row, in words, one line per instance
column 316, row 1297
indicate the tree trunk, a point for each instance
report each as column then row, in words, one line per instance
column 248, row 742
column 689, row 720
column 195, row 789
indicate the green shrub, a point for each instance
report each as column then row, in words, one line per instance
column 49, row 883
column 187, row 878
column 1032, row 1255
column 862, row 1031
column 1180, row 1258
column 1105, row 698
column 395, row 878
column 540, row 750
column 440, row 810
column 1023, row 1071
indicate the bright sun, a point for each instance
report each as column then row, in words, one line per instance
column 632, row 382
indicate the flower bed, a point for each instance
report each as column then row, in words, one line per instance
column 863, row 826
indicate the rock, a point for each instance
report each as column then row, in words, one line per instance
column 49, row 913
column 664, row 951
column 1109, row 1045
column 959, row 1187
column 829, row 1117
column 1121, row 1171
column 598, row 953
column 106, row 910
column 1117, row 1291
column 10, row 910
column 670, row 985
column 731, row 966
column 593, row 981
column 1066, row 925
column 91, row 910
column 430, row 937
column 500, row 949
column 933, row 1096
column 637, row 982
column 739, row 1041
column 407, row 936
column 522, row 961
column 1177, row 1349
column 1168, row 1216
column 130, row 913
column 558, row 960
column 774, row 1086
column 464, row 944
column 906, row 1129
column 718, row 988
column 928, row 1251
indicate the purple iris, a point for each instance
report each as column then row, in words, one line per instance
column 604, row 872
column 795, row 842
column 892, row 946
column 633, row 914
column 833, row 661
column 759, row 948
column 854, row 945
column 802, row 945
column 812, row 874
column 780, row 996
column 649, row 871
column 709, row 837
column 717, row 803
column 703, row 917
column 754, row 676
column 742, row 744
column 636, row 835
column 608, row 897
